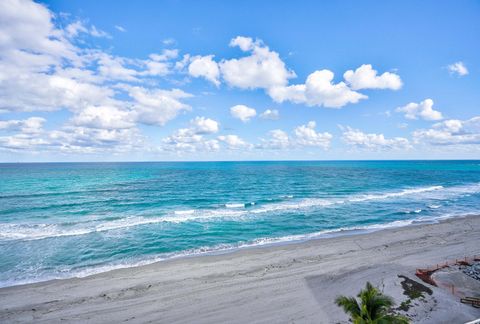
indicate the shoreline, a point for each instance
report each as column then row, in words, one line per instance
column 259, row 243
column 219, row 277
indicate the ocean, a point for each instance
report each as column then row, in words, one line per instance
column 61, row 220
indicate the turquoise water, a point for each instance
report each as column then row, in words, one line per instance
column 73, row 219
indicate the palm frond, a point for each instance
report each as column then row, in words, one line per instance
column 372, row 308
column 349, row 305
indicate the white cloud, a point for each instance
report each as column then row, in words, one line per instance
column 244, row 43
column 113, row 68
column 168, row 41
column 359, row 139
column 234, row 142
column 303, row 135
column 108, row 96
column 120, row 28
column 271, row 114
column 458, row 68
column 206, row 67
column 157, row 107
column 74, row 139
column 261, row 69
column 183, row 63
column 41, row 69
column 451, row 132
column 243, row 112
column 30, row 125
column 192, row 139
column 278, row 139
column 167, row 54
column 98, row 33
column 155, row 68
column 264, row 69
column 365, row 77
column 318, row 90
column 27, row 26
column 423, row 110
column 159, row 64
column 104, row 117
column 27, row 91
column 307, row 136
column 78, row 27
column 202, row 125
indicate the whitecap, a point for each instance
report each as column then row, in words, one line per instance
column 184, row 212
column 234, row 205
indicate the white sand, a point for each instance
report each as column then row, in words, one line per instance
column 294, row 283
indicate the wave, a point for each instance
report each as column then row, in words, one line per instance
column 415, row 211
column 395, row 194
column 230, row 211
column 226, row 248
column 319, row 202
column 234, row 205
column 42, row 231
column 184, row 212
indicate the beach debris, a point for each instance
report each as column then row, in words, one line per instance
column 472, row 270
column 472, row 264
column 474, row 301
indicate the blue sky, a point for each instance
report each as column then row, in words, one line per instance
column 210, row 80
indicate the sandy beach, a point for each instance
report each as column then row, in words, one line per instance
column 293, row 283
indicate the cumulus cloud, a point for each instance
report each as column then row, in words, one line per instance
column 263, row 68
column 423, row 110
column 192, row 139
column 42, row 69
column 243, row 112
column 202, row 125
column 303, row 136
column 234, row 142
column 104, row 117
column 318, row 90
column 114, row 68
column 451, row 132
column 458, row 68
column 365, row 77
column 307, row 136
column 157, row 106
column 74, row 139
column 30, row 125
column 278, row 139
column 167, row 54
column 272, row 114
column 206, row 67
column 27, row 26
column 359, row 139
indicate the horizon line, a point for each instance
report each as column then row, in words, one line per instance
column 223, row 161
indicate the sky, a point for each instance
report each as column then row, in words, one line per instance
column 84, row 80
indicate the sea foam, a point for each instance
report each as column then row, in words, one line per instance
column 231, row 211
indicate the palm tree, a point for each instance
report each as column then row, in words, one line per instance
column 374, row 307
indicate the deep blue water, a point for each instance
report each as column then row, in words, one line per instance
column 61, row 220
